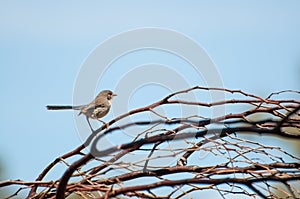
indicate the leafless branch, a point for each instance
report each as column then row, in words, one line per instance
column 186, row 154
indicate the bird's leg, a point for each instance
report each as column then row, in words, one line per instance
column 87, row 118
column 106, row 124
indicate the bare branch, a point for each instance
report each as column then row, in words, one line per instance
column 185, row 154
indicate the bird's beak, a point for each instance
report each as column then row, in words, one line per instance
column 114, row 94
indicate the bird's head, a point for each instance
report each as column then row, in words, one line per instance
column 107, row 94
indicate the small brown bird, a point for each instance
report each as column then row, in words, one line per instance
column 98, row 108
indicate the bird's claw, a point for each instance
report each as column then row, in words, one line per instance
column 106, row 124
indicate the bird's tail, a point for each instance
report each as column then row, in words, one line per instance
column 59, row 107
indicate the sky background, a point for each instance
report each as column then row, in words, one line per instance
column 255, row 46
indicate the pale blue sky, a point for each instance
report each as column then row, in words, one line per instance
column 255, row 45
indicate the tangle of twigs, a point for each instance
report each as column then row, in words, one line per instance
column 221, row 146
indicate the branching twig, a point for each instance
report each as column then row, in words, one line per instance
column 186, row 154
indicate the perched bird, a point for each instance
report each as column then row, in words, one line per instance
column 98, row 108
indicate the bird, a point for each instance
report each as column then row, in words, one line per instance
column 96, row 109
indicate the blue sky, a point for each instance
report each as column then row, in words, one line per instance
column 255, row 46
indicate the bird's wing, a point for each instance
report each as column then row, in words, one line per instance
column 92, row 109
